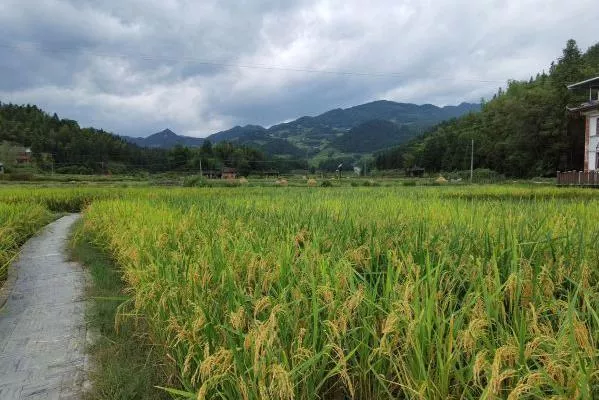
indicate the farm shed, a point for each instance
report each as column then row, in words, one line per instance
column 23, row 156
column 228, row 173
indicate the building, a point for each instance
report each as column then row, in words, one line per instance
column 415, row 171
column 228, row 173
column 589, row 113
column 270, row 173
column 589, row 110
column 23, row 156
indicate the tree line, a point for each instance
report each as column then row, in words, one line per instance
column 523, row 131
column 63, row 146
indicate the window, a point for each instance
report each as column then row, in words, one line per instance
column 597, row 158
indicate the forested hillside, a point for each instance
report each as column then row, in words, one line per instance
column 62, row 145
column 359, row 129
column 524, row 130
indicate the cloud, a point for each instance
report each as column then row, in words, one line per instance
column 135, row 67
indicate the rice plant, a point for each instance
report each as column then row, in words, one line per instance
column 17, row 223
column 366, row 293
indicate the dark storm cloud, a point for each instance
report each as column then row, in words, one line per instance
column 135, row 67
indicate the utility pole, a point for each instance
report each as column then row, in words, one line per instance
column 472, row 161
column 201, row 172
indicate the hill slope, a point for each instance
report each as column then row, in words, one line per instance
column 372, row 136
column 523, row 131
column 307, row 136
column 310, row 135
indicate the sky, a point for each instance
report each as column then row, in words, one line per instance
column 135, row 67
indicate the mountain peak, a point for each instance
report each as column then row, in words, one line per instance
column 165, row 133
column 166, row 139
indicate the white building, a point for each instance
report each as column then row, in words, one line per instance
column 590, row 110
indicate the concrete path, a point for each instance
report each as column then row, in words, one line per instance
column 42, row 326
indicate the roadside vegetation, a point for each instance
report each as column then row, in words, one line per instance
column 126, row 365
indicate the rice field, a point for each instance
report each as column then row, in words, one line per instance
column 365, row 293
column 17, row 223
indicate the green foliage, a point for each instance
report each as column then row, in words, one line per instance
column 479, row 175
column 326, row 183
column 523, row 131
column 341, row 130
column 17, row 176
column 195, row 181
column 60, row 144
column 371, row 136
column 18, row 221
column 126, row 365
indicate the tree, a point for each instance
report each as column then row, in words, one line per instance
column 206, row 148
column 522, row 131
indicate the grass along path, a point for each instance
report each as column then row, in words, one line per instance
column 125, row 365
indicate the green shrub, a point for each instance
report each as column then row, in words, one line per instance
column 195, row 181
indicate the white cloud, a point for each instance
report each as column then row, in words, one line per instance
column 136, row 67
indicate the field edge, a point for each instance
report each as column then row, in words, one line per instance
column 124, row 364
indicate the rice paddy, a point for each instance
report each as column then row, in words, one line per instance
column 17, row 223
column 365, row 293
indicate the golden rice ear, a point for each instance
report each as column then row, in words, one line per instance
column 280, row 387
column 238, row 319
column 583, row 338
column 480, row 367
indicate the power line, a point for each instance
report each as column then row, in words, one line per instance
column 198, row 61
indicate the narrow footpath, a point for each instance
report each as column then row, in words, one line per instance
column 42, row 325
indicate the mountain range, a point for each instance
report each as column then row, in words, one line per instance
column 356, row 130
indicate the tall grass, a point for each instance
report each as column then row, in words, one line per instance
column 424, row 293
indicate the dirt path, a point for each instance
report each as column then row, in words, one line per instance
column 42, row 327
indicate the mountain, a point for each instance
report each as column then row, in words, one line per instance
column 165, row 139
column 360, row 129
column 258, row 137
column 371, row 136
column 356, row 130
column 236, row 133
